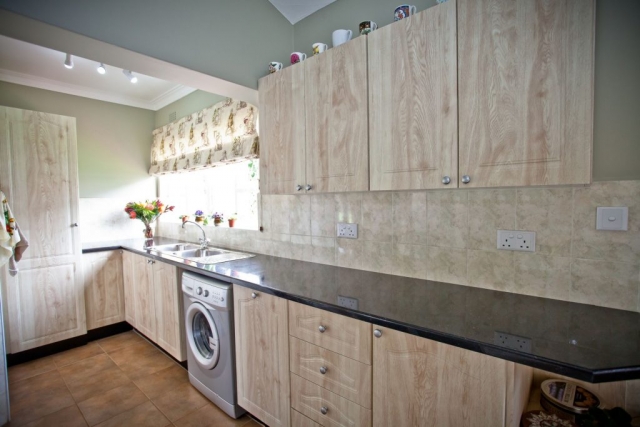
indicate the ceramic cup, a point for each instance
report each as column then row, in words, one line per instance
column 275, row 66
column 298, row 57
column 341, row 36
column 403, row 11
column 367, row 26
column 319, row 48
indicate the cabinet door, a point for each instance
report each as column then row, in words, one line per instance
column 337, row 149
column 129, row 288
column 168, row 304
column 282, row 143
column 413, row 111
column 526, row 72
column 39, row 175
column 262, row 355
column 144, row 296
column 103, row 288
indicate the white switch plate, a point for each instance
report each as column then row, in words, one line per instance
column 510, row 240
column 612, row 218
column 350, row 231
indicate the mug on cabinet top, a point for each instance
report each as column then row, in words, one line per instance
column 319, row 48
column 298, row 57
column 275, row 66
column 366, row 27
column 404, row 11
column 341, row 36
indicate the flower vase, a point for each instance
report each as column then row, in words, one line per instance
column 200, row 219
column 232, row 222
column 148, row 236
column 217, row 222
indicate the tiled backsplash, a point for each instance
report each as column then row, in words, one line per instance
column 105, row 219
column 450, row 236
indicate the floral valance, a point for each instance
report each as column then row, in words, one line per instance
column 226, row 132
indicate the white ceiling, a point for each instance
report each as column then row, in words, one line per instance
column 296, row 10
column 31, row 65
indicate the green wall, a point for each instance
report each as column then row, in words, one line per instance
column 189, row 104
column 113, row 140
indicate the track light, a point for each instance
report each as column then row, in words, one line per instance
column 68, row 62
column 130, row 76
column 101, row 69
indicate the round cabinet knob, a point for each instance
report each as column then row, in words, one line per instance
column 298, row 187
column 75, row 224
column 206, row 293
column 308, row 187
column 446, row 180
column 254, row 295
column 466, row 179
column 323, row 370
column 199, row 291
column 377, row 333
column 324, row 410
column 322, row 329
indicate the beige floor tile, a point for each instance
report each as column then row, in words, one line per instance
column 114, row 402
column 145, row 415
column 163, row 381
column 139, row 365
column 38, row 396
column 97, row 384
column 119, row 341
column 211, row 416
column 86, row 368
column 130, row 353
column 180, row 401
column 31, row 369
column 77, row 354
column 67, row 417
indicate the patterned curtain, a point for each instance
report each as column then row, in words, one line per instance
column 226, row 132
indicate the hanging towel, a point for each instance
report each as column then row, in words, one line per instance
column 12, row 242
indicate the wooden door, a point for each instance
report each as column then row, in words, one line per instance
column 144, row 296
column 39, row 175
column 335, row 93
column 413, row 111
column 103, row 288
column 262, row 355
column 526, row 73
column 282, row 135
column 129, row 287
column 169, row 310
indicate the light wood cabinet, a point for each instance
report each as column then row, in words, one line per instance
column 526, row 73
column 262, row 355
column 413, row 110
column 39, row 175
column 144, row 297
column 103, row 288
column 129, row 295
column 299, row 420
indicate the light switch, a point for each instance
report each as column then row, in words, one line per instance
column 612, row 218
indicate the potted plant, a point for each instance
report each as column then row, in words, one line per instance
column 147, row 212
column 184, row 218
column 201, row 218
column 232, row 220
column 217, row 218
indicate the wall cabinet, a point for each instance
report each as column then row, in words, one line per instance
column 103, row 288
column 38, row 171
column 262, row 355
column 313, row 124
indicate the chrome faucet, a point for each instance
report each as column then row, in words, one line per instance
column 204, row 242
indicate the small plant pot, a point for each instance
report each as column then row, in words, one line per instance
column 217, row 222
column 185, row 219
column 200, row 219
column 232, row 222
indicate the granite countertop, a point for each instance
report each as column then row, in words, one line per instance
column 586, row 342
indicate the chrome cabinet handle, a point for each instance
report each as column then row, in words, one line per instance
column 308, row 187
column 466, row 179
column 446, row 180
column 75, row 224
column 324, row 410
column 377, row 333
column 298, row 187
column 323, row 370
column 254, row 295
column 322, row 329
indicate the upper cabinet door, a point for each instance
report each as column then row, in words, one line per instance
column 413, row 112
column 281, row 98
column 336, row 119
column 526, row 91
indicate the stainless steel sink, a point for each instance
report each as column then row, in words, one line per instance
column 201, row 253
column 196, row 253
column 176, row 247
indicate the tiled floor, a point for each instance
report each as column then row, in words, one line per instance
column 118, row 381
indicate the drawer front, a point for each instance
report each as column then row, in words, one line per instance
column 345, row 377
column 311, row 400
column 299, row 420
column 341, row 334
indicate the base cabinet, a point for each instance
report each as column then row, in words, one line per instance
column 103, row 288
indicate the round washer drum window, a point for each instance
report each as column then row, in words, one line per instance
column 202, row 335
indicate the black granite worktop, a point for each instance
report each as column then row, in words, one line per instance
column 582, row 341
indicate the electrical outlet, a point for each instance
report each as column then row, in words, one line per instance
column 350, row 231
column 512, row 341
column 510, row 240
column 351, row 303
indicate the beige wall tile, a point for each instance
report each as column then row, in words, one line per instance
column 378, row 257
column 621, row 246
column 489, row 211
column 376, row 217
column 447, row 218
column 323, row 208
column 490, row 269
column 348, row 207
column 542, row 276
column 323, row 250
column 410, row 217
column 548, row 212
column 266, row 207
column 300, row 215
column 447, row 265
column 280, row 208
column 301, row 247
column 605, row 283
column 410, row 260
column 349, row 253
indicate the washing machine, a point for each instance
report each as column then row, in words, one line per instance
column 208, row 308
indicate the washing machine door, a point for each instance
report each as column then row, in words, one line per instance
column 202, row 336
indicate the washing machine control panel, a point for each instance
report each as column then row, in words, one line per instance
column 211, row 294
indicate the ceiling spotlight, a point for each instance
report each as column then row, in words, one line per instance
column 130, row 76
column 102, row 69
column 68, row 62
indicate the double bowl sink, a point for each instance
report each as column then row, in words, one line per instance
column 196, row 253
